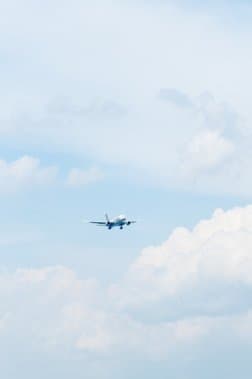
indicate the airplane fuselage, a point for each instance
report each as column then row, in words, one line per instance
column 119, row 221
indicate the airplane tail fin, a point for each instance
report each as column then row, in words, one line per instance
column 107, row 218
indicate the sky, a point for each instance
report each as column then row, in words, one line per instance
column 126, row 107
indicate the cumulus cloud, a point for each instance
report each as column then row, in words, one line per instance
column 79, row 178
column 208, row 268
column 24, row 173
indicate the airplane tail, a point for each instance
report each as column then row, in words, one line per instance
column 107, row 218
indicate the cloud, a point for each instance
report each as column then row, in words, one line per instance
column 207, row 150
column 24, row 173
column 27, row 172
column 50, row 308
column 81, row 178
column 208, row 269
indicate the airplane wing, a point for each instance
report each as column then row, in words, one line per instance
column 132, row 222
column 98, row 223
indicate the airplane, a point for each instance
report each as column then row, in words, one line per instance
column 119, row 221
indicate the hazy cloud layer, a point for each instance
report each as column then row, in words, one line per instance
column 158, row 90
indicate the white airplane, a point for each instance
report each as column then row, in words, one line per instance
column 119, row 221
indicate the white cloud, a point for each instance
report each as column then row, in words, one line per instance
column 215, row 254
column 205, row 151
column 27, row 172
column 80, row 178
column 24, row 173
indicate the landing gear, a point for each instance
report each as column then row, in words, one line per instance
column 121, row 227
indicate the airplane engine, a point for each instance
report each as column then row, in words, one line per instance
column 128, row 222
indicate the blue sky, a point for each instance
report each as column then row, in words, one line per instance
column 137, row 108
